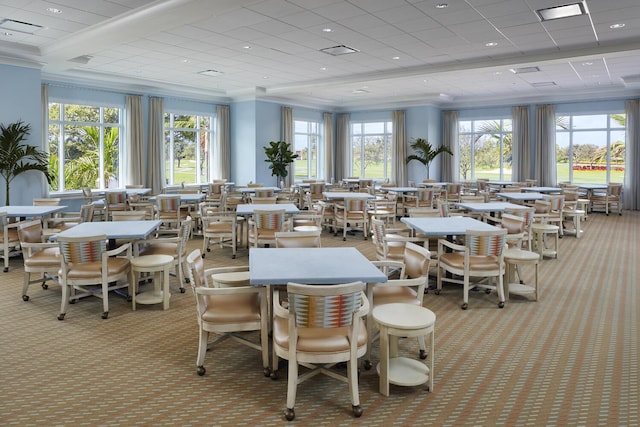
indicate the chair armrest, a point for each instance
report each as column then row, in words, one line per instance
column 443, row 243
column 43, row 245
column 364, row 305
column 125, row 247
column 278, row 309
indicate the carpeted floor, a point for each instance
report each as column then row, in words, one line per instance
column 569, row 359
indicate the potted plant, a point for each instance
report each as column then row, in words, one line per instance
column 424, row 152
column 280, row 156
column 16, row 158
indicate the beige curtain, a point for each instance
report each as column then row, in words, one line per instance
column 631, row 192
column 520, row 145
column 399, row 148
column 44, row 95
column 135, row 140
column 545, row 161
column 342, row 147
column 329, row 155
column 222, row 149
column 450, row 164
column 287, row 136
column 155, row 169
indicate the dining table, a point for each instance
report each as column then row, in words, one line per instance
column 247, row 209
column 488, row 207
column 341, row 195
column 547, row 190
column 528, row 196
column 126, row 230
column 446, row 226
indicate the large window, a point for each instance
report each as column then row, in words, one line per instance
column 307, row 138
column 188, row 153
column 84, row 146
column 485, row 149
column 371, row 152
column 590, row 148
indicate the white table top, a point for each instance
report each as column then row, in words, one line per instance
column 404, row 316
column 400, row 189
column 487, row 207
column 30, row 211
column 522, row 197
column 591, row 186
column 341, row 195
column 450, row 226
column 247, row 209
column 320, row 266
column 253, row 189
column 186, row 197
column 112, row 229
column 542, row 189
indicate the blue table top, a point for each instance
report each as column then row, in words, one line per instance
column 113, row 229
column 521, row 196
column 247, row 209
column 487, row 207
column 341, row 195
column 320, row 266
column 450, row 226
column 29, row 211
column 186, row 197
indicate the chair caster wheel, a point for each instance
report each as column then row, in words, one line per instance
column 6, row 269
column 501, row 304
column 344, row 239
column 45, row 286
column 25, row 297
column 61, row 316
column 357, row 411
column 437, row 291
column 464, row 306
column 105, row 314
column 273, row 375
column 182, row 290
column 267, row 372
column 208, row 250
column 203, row 255
column 201, row 371
column 367, row 365
column 423, row 354
column 233, row 257
column 487, row 291
column 289, row 414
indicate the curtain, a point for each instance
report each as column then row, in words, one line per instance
column 287, row 136
column 135, row 140
column 545, row 161
column 155, row 169
column 327, row 121
column 520, row 145
column 44, row 95
column 222, row 148
column 450, row 164
column 399, row 148
column 631, row 192
column 342, row 147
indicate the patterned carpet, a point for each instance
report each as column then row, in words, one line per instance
column 569, row 359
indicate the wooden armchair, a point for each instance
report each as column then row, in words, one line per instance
column 38, row 256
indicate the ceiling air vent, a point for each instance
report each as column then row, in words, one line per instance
column 19, row 26
column 339, row 50
column 543, row 84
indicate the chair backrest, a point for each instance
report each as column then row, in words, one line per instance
column 355, row 205
column 128, row 215
column 184, row 233
column 217, row 188
column 132, row 186
column 324, row 306
column 614, row 189
column 316, row 188
column 377, row 236
column 425, row 194
column 46, row 202
column 526, row 213
column 486, row 242
column 265, row 192
column 115, row 197
column 256, row 200
column 453, row 188
column 556, row 201
column 542, row 206
column 82, row 249
column 298, row 239
column 269, row 219
column 512, row 223
column 168, row 203
column 196, row 270
column 30, row 231
column 416, row 260
column 364, row 183
column 254, row 185
column 443, row 208
column 422, row 212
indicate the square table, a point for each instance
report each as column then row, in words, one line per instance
column 521, row 197
column 548, row 190
column 487, row 207
column 400, row 189
column 318, row 266
column 447, row 226
column 130, row 230
column 185, row 197
column 341, row 195
column 245, row 190
column 247, row 209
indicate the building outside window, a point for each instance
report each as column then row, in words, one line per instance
column 590, row 148
column 306, row 144
column 371, row 150
column 85, row 146
column 485, row 149
column 188, row 148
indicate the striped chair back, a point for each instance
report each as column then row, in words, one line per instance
column 268, row 192
column 86, row 213
column 486, row 242
column 316, row 188
column 425, row 194
column 83, row 250
column 115, row 197
column 355, row 205
column 270, row 220
column 168, row 203
column 331, row 306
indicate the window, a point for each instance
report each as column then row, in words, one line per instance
column 590, row 148
column 485, row 149
column 84, row 146
column 371, row 152
column 307, row 138
column 188, row 153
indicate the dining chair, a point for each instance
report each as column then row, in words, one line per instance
column 10, row 239
column 54, row 201
column 263, row 200
column 227, row 312
column 264, row 224
column 481, row 257
column 176, row 246
column 128, row 216
column 298, row 239
column 605, row 199
column 67, row 220
column 98, row 203
column 349, row 215
column 527, row 214
column 264, row 192
column 39, row 256
column 114, row 201
column 221, row 228
column 169, row 211
column 139, row 203
column 322, row 325
column 555, row 216
column 86, row 265
column 389, row 246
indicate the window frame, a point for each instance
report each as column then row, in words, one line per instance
column 475, row 134
column 318, row 154
column 388, row 152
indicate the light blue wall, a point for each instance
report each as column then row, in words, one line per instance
column 242, row 118
column 423, row 122
column 268, row 126
column 20, row 96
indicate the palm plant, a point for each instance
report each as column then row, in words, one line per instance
column 16, row 158
column 425, row 153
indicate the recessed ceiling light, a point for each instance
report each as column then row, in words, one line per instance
column 327, row 30
column 186, row 61
column 616, row 26
column 6, row 33
column 442, row 6
column 586, row 64
column 246, row 47
column 491, row 44
column 524, row 70
column 396, row 57
column 564, row 11
column 323, row 68
column 543, row 84
column 53, row 10
column 497, row 73
column 339, row 50
column 210, row 72
column 361, row 91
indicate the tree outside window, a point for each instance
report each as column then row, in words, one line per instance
column 84, row 146
column 188, row 153
column 306, row 144
column 371, row 150
column 485, row 149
